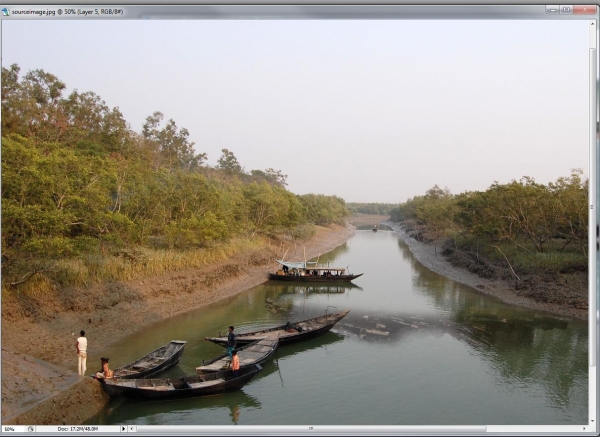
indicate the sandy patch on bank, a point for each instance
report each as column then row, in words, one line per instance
column 425, row 254
column 32, row 348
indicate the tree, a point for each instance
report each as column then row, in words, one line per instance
column 274, row 177
column 570, row 209
column 171, row 144
column 33, row 106
column 93, row 126
column 229, row 163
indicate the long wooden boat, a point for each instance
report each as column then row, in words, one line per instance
column 310, row 272
column 155, row 362
column 249, row 355
column 185, row 387
column 309, row 328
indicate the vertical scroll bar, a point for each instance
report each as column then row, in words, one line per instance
column 593, row 310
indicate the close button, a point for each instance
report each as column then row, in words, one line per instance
column 584, row 9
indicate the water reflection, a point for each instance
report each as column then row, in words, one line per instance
column 523, row 346
column 235, row 413
column 121, row 410
column 304, row 288
column 380, row 227
column 330, row 257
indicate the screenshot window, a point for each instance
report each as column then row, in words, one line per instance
column 412, row 188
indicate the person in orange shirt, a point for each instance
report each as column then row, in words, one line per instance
column 235, row 364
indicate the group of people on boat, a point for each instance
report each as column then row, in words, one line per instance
column 307, row 272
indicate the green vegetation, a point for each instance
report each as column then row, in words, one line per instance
column 85, row 198
column 371, row 208
column 536, row 228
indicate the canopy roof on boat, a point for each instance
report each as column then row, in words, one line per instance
column 311, row 266
column 296, row 265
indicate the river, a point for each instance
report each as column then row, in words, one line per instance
column 416, row 349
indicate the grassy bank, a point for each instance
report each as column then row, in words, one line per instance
column 122, row 265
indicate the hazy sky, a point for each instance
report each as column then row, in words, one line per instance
column 372, row 111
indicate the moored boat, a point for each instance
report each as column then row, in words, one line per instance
column 155, row 362
column 249, row 355
column 303, row 330
column 310, row 272
column 185, row 387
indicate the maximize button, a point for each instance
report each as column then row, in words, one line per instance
column 566, row 9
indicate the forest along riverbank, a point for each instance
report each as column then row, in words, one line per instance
column 38, row 349
column 502, row 289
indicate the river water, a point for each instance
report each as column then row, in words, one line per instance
column 416, row 349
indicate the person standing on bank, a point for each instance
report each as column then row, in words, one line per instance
column 81, row 353
column 231, row 342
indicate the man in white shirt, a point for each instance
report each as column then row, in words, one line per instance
column 82, row 353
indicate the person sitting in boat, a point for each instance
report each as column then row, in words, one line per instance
column 105, row 372
column 285, row 269
column 289, row 327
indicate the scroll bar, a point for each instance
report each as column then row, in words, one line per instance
column 593, row 310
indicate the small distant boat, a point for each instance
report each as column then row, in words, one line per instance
column 310, row 272
column 306, row 329
column 374, row 228
column 155, row 362
column 249, row 355
column 185, row 387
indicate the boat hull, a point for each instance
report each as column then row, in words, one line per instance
column 177, row 388
column 249, row 355
column 173, row 351
column 285, row 337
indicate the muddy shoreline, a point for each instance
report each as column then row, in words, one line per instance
column 426, row 254
column 40, row 384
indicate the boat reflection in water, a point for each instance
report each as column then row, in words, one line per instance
column 123, row 410
column 303, row 288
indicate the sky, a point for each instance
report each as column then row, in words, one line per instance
column 368, row 110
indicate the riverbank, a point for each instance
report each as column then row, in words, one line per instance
column 504, row 290
column 38, row 353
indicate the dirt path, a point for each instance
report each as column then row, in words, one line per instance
column 38, row 354
column 425, row 254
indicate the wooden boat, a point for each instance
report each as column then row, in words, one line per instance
column 249, row 355
column 155, row 362
column 309, row 328
column 185, row 387
column 307, row 272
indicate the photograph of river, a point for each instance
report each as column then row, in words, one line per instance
column 438, row 353
column 411, row 188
